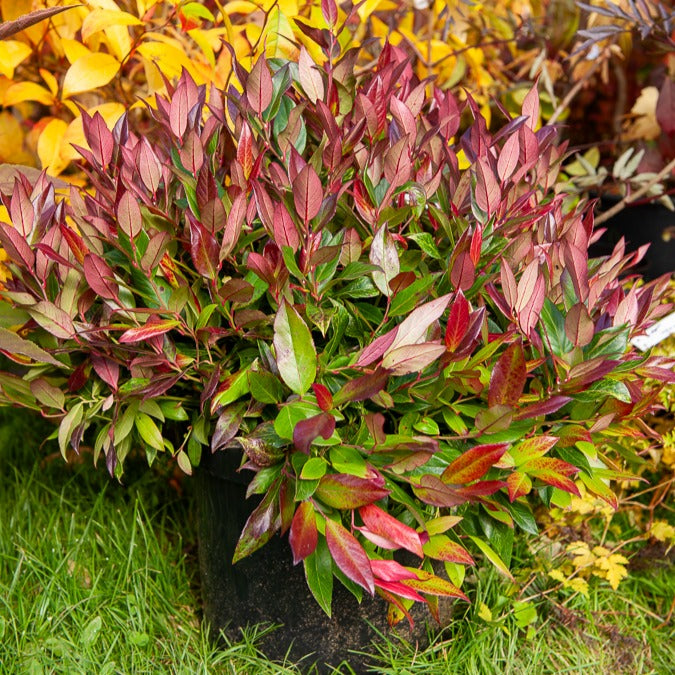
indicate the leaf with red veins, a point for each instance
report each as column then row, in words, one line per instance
column 473, row 464
column 307, row 430
column 303, row 535
column 381, row 523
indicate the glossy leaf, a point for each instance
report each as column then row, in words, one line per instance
column 474, row 463
column 259, row 86
column 343, row 491
column 508, row 377
column 303, row 535
column 295, row 352
column 319, row 574
column 441, row 547
column 307, row 193
column 153, row 328
column 349, row 555
column 381, row 523
column 309, row 429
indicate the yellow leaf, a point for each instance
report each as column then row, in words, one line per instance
column 74, row 50
column 167, row 57
column 279, row 36
column 89, row 72
column 49, row 146
column 202, row 39
column 11, row 138
column 240, row 7
column 50, row 81
column 661, row 531
column 484, row 612
column 557, row 575
column 27, row 91
column 74, row 135
column 613, row 568
column 101, row 19
column 578, row 585
column 12, row 53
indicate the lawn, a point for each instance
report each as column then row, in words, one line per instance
column 96, row 577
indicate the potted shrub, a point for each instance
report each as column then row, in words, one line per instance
column 295, row 279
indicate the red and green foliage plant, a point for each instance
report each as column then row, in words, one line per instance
column 404, row 351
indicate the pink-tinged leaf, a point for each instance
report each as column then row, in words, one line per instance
column 324, row 398
column 178, row 111
column 458, row 322
column 433, row 491
column 12, row 344
column 665, row 106
column 152, row 328
column 508, row 377
column 473, row 464
column 579, row 326
column 441, row 547
column 390, row 570
column 384, row 255
column 213, row 215
column 309, row 429
column 430, row 584
column 404, row 118
column 245, row 150
column 598, row 487
column 509, row 285
column 531, row 295
column 397, row 165
column 259, row 528
column 362, row 388
column 149, row 166
column 349, row 555
column 399, row 589
column 48, row 394
column 307, row 193
column 192, row 153
column 519, row 484
column 100, row 277
column 377, row 348
column 309, row 76
column 585, row 373
column 129, row 218
column 480, row 489
column 576, row 263
column 329, row 12
column 285, row 231
column 99, row 138
column 344, row 491
column 204, row 250
column 547, row 407
column 412, row 358
column 53, row 319
column 508, row 158
column 381, row 523
column 488, row 193
column 556, row 479
column 155, row 250
column 414, row 328
column 21, row 211
column 548, row 464
column 530, row 108
column 303, row 536
column 16, row 247
column 227, row 425
column 531, row 448
column 259, row 86
column 233, row 226
column 107, row 369
column 476, row 244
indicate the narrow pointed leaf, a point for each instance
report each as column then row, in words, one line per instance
column 473, row 464
column 508, row 377
column 349, row 555
column 381, row 523
column 296, row 355
column 303, row 535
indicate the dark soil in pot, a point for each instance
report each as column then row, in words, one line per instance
column 266, row 587
column 640, row 224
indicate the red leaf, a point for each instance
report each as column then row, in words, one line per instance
column 530, row 107
column 473, row 464
column 488, row 193
column 537, row 464
column 323, row 396
column 100, row 277
column 397, row 166
column 576, row 264
column 381, row 523
column 665, row 107
column 307, row 430
column 349, row 555
column 399, row 589
column 531, row 294
column 458, row 322
column 390, row 570
column 508, row 158
column 192, row 153
column 540, row 408
column 149, row 166
column 99, row 138
column 343, row 491
column 509, row 285
column 204, row 249
column 463, row 272
column 235, row 221
column 476, row 244
column 531, row 448
column 16, row 247
column 107, row 369
column 310, row 76
column 21, row 211
column 259, row 528
column 285, row 231
column 303, row 535
column 259, row 86
column 376, row 348
column 129, row 217
column 508, row 377
column 363, row 387
column 152, row 328
column 178, row 112
column 429, row 583
column 307, row 193
column 519, row 484
column 413, row 329
column 432, row 490
column 74, row 241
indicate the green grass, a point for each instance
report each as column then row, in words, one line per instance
column 99, row 578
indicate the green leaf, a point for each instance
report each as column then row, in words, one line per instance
column 319, row 574
column 348, row 460
column 91, row 631
column 291, row 414
column 296, row 355
column 492, row 556
column 148, row 431
column 314, row 468
column 68, row 425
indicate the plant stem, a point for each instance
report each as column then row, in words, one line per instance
column 628, row 199
column 562, row 106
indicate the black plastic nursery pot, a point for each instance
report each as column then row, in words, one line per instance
column 266, row 588
column 651, row 223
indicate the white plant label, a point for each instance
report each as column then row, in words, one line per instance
column 661, row 330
